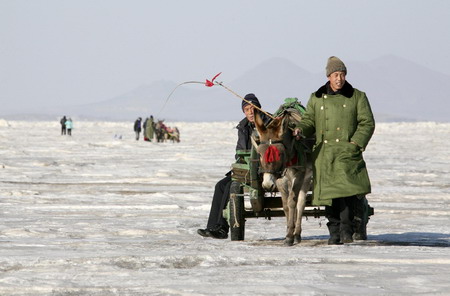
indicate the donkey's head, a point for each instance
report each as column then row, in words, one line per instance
column 271, row 150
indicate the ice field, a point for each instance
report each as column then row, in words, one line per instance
column 100, row 213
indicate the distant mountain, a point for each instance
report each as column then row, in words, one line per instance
column 271, row 81
column 402, row 89
column 276, row 79
column 398, row 90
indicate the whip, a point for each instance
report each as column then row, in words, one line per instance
column 211, row 83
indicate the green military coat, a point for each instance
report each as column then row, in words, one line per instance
column 339, row 167
column 149, row 129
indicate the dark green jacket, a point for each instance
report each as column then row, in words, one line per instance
column 337, row 120
column 149, row 128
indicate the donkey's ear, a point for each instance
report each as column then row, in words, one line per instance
column 280, row 127
column 274, row 123
column 276, row 126
column 259, row 123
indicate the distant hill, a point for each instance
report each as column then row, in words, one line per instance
column 402, row 89
column 398, row 90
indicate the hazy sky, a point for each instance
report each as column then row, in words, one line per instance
column 80, row 51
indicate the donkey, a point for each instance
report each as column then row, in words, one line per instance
column 287, row 167
column 160, row 131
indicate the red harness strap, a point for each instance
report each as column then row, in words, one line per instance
column 293, row 161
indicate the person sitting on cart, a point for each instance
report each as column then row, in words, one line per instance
column 217, row 226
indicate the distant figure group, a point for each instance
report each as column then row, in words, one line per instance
column 66, row 126
column 155, row 130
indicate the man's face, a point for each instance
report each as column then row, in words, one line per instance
column 337, row 80
column 248, row 111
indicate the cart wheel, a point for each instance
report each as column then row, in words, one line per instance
column 237, row 220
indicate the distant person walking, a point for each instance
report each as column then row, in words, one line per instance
column 137, row 127
column 144, row 124
column 63, row 125
column 69, row 126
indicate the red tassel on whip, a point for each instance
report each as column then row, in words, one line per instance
column 211, row 83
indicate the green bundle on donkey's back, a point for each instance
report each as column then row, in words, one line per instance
column 294, row 108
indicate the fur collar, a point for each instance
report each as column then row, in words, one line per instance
column 346, row 91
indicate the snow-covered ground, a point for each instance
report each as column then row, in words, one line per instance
column 93, row 214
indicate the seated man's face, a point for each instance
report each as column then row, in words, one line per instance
column 248, row 111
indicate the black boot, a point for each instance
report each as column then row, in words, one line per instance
column 361, row 218
column 335, row 237
column 346, row 237
column 346, row 216
column 219, row 232
column 204, row 232
column 334, row 240
column 360, row 229
column 346, row 231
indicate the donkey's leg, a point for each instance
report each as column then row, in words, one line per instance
column 299, row 211
column 292, row 202
column 305, row 182
column 283, row 185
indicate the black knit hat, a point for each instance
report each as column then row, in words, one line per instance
column 251, row 98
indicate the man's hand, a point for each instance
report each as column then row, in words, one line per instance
column 356, row 144
column 297, row 133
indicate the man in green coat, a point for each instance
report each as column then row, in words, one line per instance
column 341, row 118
